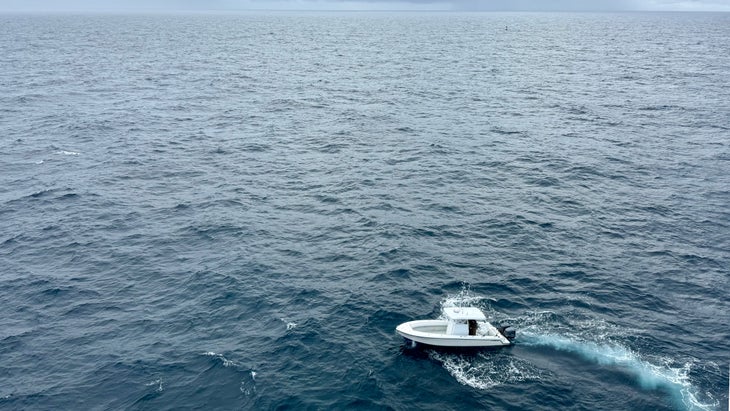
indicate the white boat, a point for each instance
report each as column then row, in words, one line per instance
column 463, row 327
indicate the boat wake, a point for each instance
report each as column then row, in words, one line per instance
column 650, row 374
column 464, row 298
column 486, row 370
column 592, row 340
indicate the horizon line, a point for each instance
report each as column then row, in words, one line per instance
column 243, row 10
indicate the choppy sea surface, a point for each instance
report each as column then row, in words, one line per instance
column 236, row 211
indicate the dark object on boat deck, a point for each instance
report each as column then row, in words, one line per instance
column 473, row 327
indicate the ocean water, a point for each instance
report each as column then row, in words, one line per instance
column 235, row 211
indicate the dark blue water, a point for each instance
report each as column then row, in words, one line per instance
column 235, row 212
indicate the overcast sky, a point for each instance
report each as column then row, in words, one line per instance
column 486, row 5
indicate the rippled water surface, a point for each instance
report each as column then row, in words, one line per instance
column 235, row 211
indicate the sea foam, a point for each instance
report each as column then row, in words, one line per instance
column 649, row 374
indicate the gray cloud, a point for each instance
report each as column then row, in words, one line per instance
column 475, row 5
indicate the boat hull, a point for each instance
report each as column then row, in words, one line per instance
column 433, row 332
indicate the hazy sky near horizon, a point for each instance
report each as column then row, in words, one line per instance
column 477, row 5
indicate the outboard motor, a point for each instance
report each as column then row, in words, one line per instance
column 508, row 331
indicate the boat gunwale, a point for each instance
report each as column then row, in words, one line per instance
column 407, row 330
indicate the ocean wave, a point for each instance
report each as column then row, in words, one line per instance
column 225, row 361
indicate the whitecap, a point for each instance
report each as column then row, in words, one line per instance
column 158, row 383
column 290, row 325
column 248, row 385
column 226, row 362
column 68, row 153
